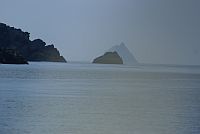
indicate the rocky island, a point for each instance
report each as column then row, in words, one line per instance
column 127, row 57
column 16, row 44
column 109, row 58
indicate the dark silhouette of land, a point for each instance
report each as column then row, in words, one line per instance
column 109, row 58
column 15, row 42
column 10, row 56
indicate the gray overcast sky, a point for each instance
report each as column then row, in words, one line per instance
column 156, row 31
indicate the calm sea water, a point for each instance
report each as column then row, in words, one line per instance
column 57, row 98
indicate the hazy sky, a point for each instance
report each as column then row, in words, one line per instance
column 156, row 31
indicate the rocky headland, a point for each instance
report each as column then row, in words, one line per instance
column 15, row 42
column 10, row 56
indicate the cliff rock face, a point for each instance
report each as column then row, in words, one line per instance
column 10, row 56
column 109, row 58
column 36, row 50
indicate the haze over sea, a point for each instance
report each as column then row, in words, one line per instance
column 74, row 98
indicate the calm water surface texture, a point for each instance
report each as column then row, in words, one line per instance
column 58, row 98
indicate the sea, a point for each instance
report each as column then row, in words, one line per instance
column 83, row 98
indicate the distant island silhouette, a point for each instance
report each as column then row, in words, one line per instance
column 127, row 57
column 17, row 48
column 109, row 58
column 118, row 54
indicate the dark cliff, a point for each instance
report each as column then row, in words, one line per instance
column 36, row 50
column 10, row 56
column 109, row 58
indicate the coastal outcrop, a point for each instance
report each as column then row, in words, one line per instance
column 109, row 58
column 10, row 56
column 18, row 41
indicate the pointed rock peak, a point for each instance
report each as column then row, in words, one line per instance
column 122, row 44
column 124, row 52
